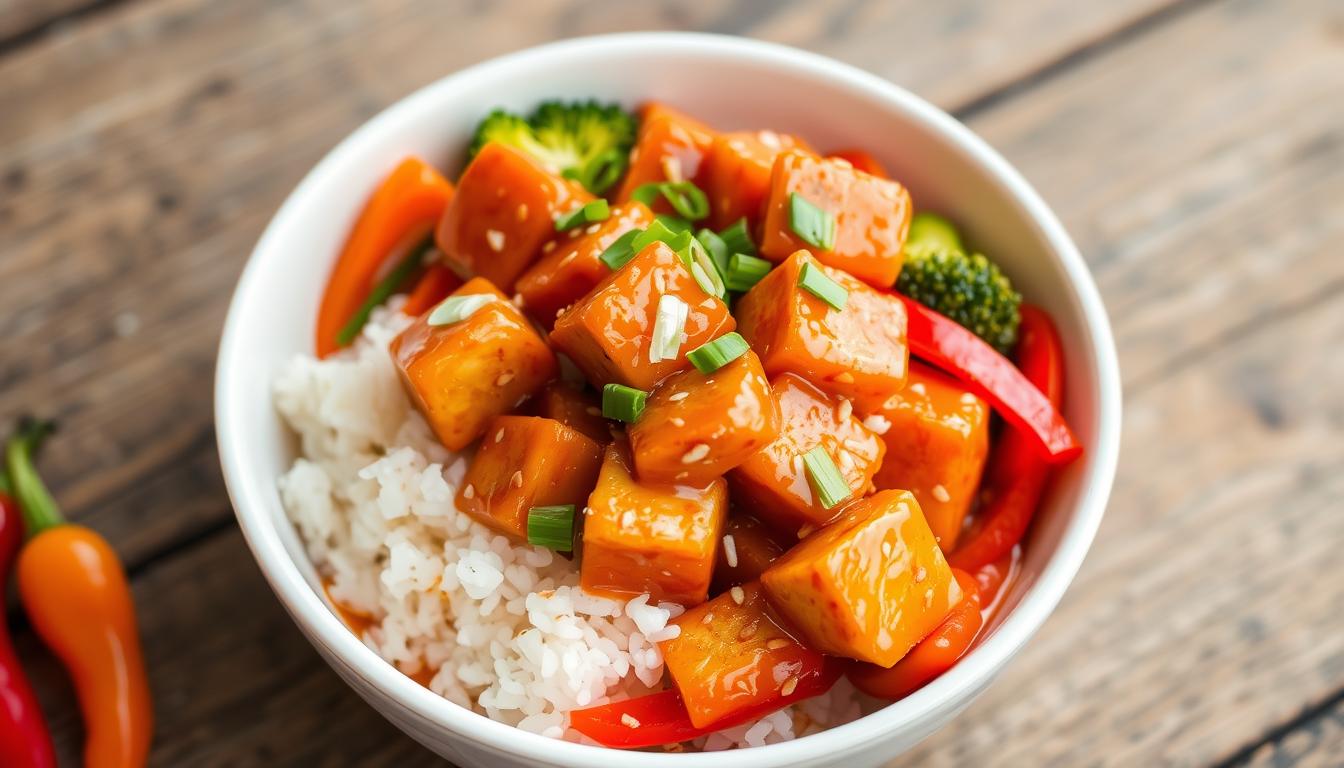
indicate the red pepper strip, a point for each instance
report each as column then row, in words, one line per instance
column 932, row 656
column 861, row 160
column 434, row 287
column 401, row 211
column 24, row 740
column 661, row 718
column 1016, row 475
column 942, row 342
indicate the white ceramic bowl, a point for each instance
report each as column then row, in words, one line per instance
column 731, row 84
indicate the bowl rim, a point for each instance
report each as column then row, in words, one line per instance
column 949, row 690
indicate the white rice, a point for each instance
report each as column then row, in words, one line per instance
column 500, row 628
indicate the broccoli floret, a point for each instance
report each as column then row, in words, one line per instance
column 582, row 140
column 970, row 289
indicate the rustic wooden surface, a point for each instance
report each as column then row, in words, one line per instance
column 1194, row 148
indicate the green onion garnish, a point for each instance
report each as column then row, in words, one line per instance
column 455, row 309
column 598, row 174
column 826, row 480
column 745, row 271
column 384, row 290
column 674, row 223
column 658, row 232
column 685, row 198
column 669, row 324
column 623, row 403
column 738, row 239
column 816, row 282
column 589, row 213
column 703, row 269
column 551, row 527
column 708, row 358
column 718, row 250
column 620, row 251
column 811, row 224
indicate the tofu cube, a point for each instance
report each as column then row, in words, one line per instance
column 671, row 146
column 737, row 174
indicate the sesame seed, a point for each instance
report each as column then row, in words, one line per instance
column 672, row 168
column 628, row 720
column 522, row 211
column 730, row 550
column 548, row 247
column 877, row 423
column 920, row 574
column 592, row 229
column 677, row 397
column 940, row 493
column 677, row 421
column 886, row 549
column 928, row 598
column 844, row 378
column 918, row 388
column 699, row 452
column 789, row 686
column 495, row 239
column 468, row 492
column 517, row 479
column 776, row 643
column 628, row 518
column 709, row 618
column 845, row 410
column 842, row 162
column 806, row 530
column 499, row 436
column 503, row 378
column 942, row 642
column 738, row 595
column 969, row 399
column 769, row 139
column 593, row 410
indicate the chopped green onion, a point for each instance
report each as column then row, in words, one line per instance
column 674, row 223
column 703, row 269
column 718, row 250
column 745, row 271
column 455, row 309
column 658, row 232
column 816, row 282
column 811, row 224
column 623, row 403
column 738, row 239
column 669, row 324
column 384, row 290
column 685, row 198
column 552, row 527
column 826, row 480
column 620, row 251
column 599, row 173
column 590, row 213
column 708, row 358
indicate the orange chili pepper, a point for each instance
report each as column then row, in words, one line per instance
column 402, row 211
column 76, row 595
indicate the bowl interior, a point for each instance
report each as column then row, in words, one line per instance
column 731, row 85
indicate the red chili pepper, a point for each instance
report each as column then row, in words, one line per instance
column 942, row 342
column 861, row 160
column 1016, row 474
column 24, row 740
column 661, row 718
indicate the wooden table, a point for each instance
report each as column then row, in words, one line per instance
column 1194, row 148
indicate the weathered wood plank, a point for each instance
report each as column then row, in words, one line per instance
column 1318, row 742
column 21, row 18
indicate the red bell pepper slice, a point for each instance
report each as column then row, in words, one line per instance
column 1016, row 474
column 661, row 718
column 942, row 342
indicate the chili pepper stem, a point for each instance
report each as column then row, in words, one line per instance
column 39, row 509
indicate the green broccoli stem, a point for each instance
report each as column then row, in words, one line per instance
column 36, row 504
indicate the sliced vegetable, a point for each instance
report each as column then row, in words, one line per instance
column 585, row 141
column 703, row 269
column 826, row 481
column 659, row 232
column 668, row 326
column 946, row 344
column 588, row 213
column 969, row 289
column 432, row 288
column 745, row 271
column 710, row 357
column 551, row 527
column 383, row 291
column 457, row 308
column 685, row 198
column 716, row 248
column 933, row 229
column 738, row 238
column 404, row 207
column 1017, row 473
column 811, row 224
column 813, row 280
column 623, row 403
column 621, row 251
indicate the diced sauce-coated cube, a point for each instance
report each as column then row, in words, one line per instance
column 936, row 448
column 749, row 547
column 697, row 426
column 859, row 351
column 868, row 586
column 773, row 483
column 737, row 174
column 609, row 332
column 573, row 267
column 670, row 147
column 872, row 216
column 733, row 658
column 576, row 408
column 525, row 462
column 503, row 213
column 643, row 537
column 462, row 375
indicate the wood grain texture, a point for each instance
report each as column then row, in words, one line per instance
column 1317, row 743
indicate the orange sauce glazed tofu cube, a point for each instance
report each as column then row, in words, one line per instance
column 462, row 375
column 936, row 448
column 503, row 213
column 608, row 334
column 525, row 462
column 872, row 216
column 773, row 483
column 737, row 174
column 859, row 351
column 576, row 408
column 574, row 267
column 869, row 586
column 733, row 657
column 644, row 537
column 670, row 146
column 697, row 426
column 749, row 547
